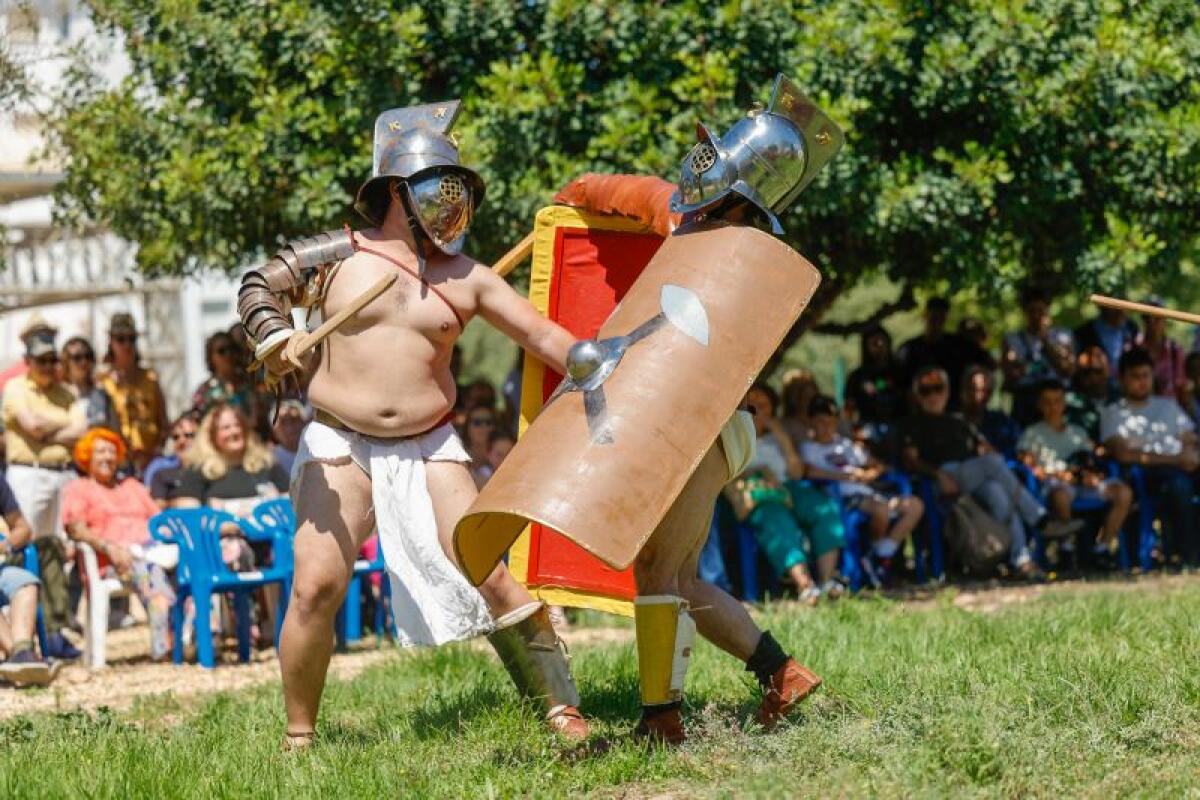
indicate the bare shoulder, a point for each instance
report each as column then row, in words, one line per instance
column 468, row 268
column 476, row 276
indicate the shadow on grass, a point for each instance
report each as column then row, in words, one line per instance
column 448, row 716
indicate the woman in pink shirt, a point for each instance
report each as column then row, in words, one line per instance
column 111, row 516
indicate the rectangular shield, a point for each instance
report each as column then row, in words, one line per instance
column 602, row 468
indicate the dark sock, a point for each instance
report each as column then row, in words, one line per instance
column 768, row 657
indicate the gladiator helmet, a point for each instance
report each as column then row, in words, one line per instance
column 767, row 157
column 439, row 194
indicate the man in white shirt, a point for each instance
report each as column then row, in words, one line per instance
column 1153, row 432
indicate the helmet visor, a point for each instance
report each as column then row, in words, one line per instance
column 442, row 203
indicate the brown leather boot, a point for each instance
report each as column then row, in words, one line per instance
column 569, row 723
column 664, row 726
column 790, row 684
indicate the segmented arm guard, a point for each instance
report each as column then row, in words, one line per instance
column 295, row 276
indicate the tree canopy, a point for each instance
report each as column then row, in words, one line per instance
column 988, row 141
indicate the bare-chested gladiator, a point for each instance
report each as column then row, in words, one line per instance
column 381, row 453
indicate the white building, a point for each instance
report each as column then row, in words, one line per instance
column 78, row 280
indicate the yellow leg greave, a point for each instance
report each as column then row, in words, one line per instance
column 665, row 632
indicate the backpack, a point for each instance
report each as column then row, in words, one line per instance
column 978, row 540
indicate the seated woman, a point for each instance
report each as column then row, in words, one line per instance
column 230, row 469
column 111, row 516
column 831, row 456
column 228, row 466
column 781, row 507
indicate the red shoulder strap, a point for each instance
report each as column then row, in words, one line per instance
column 421, row 278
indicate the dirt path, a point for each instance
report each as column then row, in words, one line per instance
column 130, row 675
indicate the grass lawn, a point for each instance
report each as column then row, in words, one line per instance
column 1092, row 693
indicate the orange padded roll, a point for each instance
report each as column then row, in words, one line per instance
column 640, row 197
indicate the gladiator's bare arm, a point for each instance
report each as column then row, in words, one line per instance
column 514, row 316
column 295, row 276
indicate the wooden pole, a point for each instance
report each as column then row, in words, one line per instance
column 337, row 320
column 509, row 261
column 1142, row 308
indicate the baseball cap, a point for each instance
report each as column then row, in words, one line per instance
column 40, row 344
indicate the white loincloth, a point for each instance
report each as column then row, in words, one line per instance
column 431, row 600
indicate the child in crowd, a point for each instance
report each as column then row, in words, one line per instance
column 830, row 456
column 1063, row 457
column 783, row 510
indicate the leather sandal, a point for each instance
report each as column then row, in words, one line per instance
column 295, row 742
column 664, row 727
column 569, row 723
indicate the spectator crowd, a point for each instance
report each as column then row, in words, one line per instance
column 1096, row 451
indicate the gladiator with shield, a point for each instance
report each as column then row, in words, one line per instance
column 629, row 453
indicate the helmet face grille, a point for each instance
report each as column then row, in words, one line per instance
column 703, row 158
column 452, row 188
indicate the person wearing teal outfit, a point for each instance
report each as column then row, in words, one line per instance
column 793, row 520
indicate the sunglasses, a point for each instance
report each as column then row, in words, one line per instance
column 80, row 358
column 932, row 388
column 46, row 361
column 183, row 435
column 124, row 338
column 482, row 422
column 225, row 350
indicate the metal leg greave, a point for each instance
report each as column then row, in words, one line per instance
column 536, row 659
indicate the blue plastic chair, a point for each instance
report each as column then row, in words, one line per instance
column 273, row 521
column 350, row 614
column 202, row 574
column 935, row 525
column 277, row 518
column 748, row 562
column 1147, row 538
column 29, row 553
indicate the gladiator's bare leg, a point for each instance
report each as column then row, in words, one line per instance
column 666, row 568
column 667, row 564
column 525, row 641
column 453, row 491
column 334, row 517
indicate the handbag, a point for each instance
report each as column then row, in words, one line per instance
column 747, row 491
column 978, row 540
